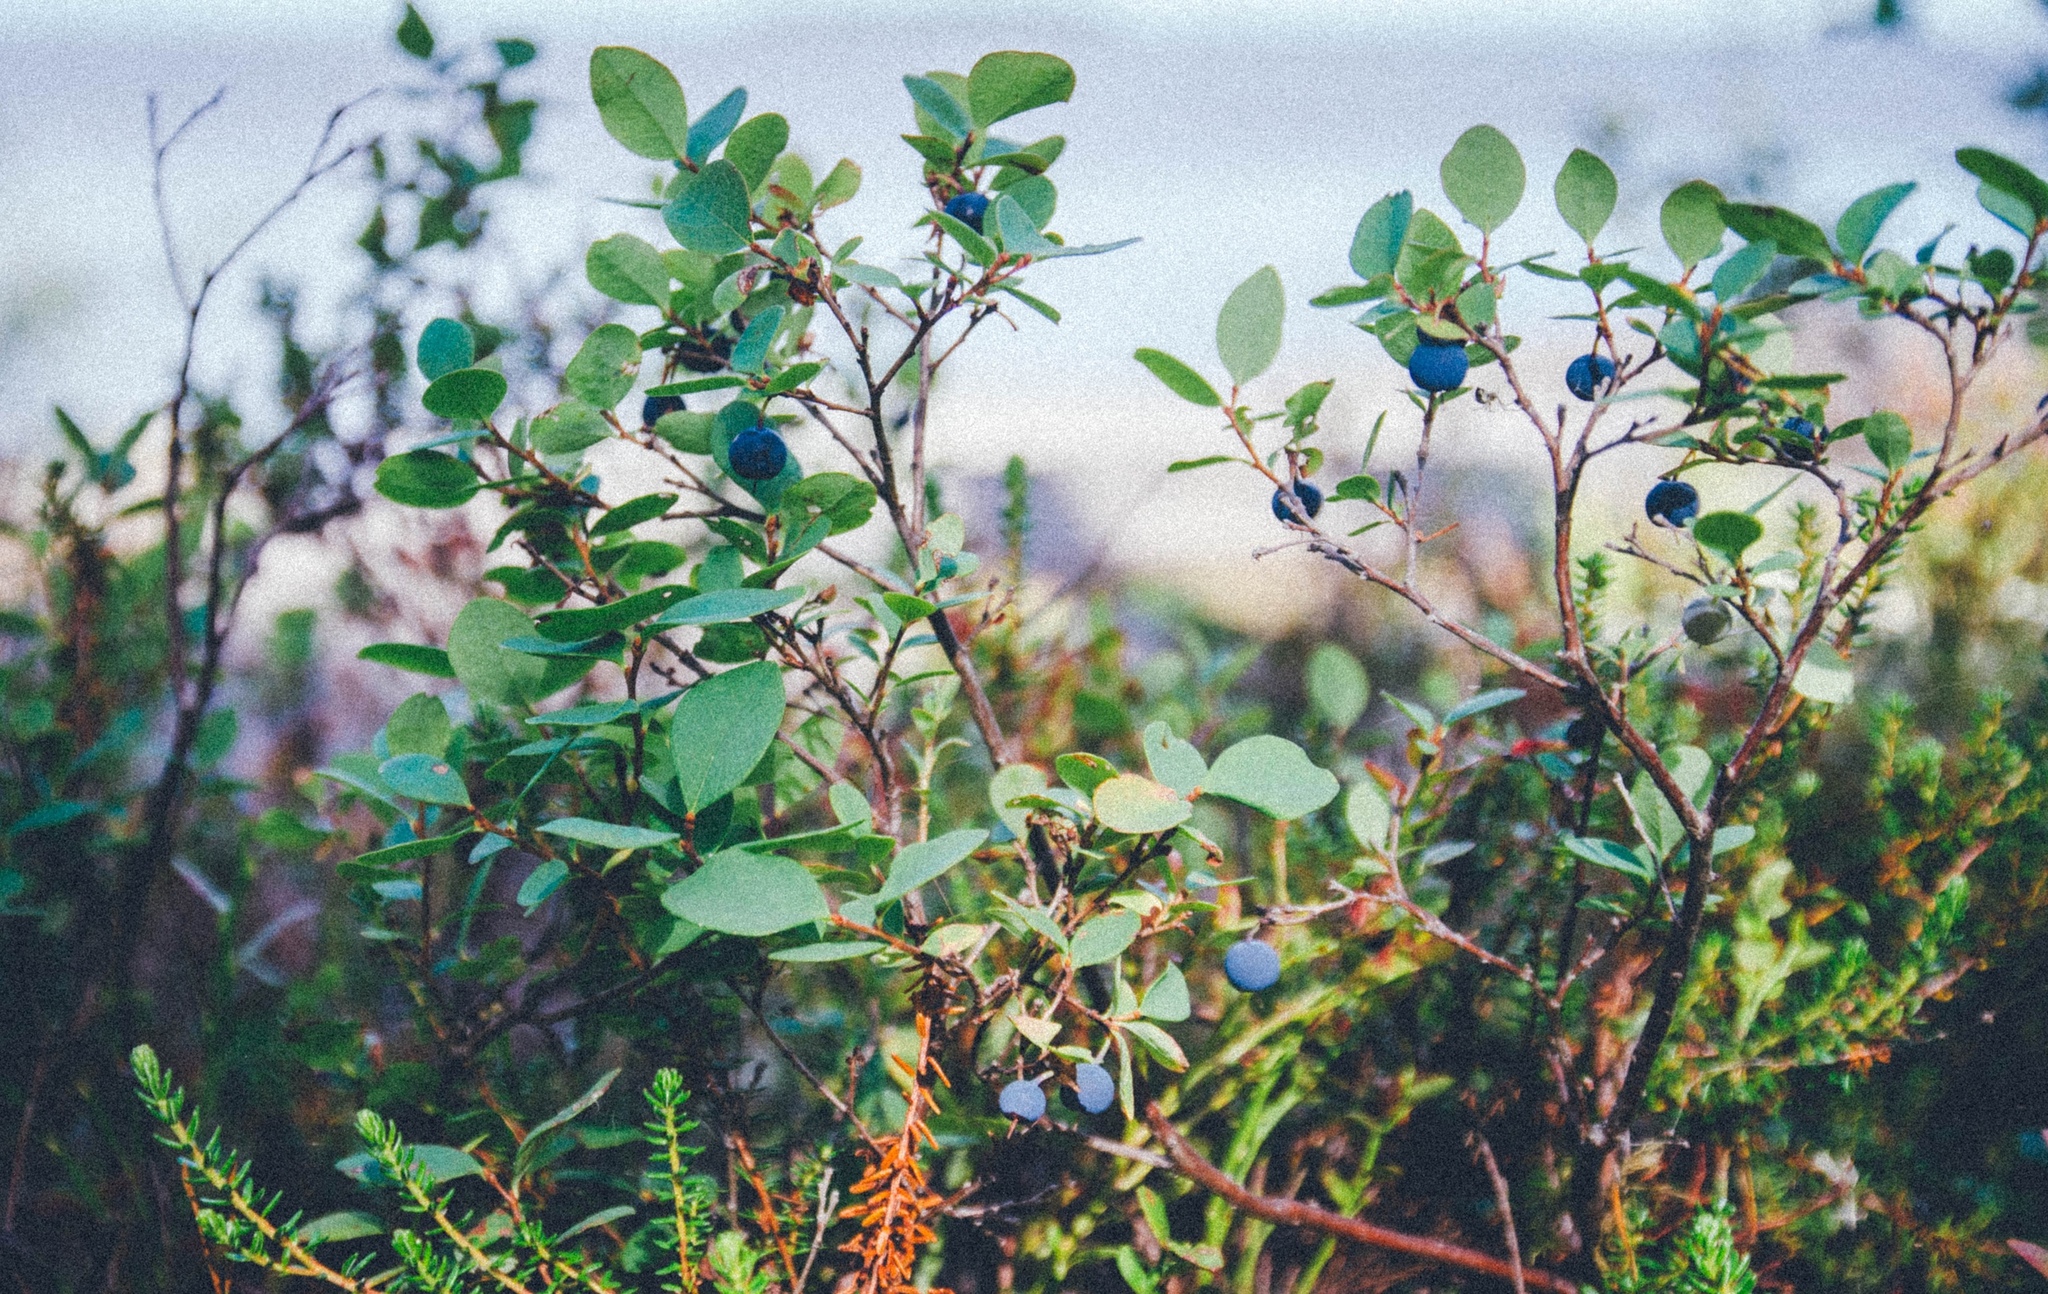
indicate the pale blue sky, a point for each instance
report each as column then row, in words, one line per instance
column 1228, row 135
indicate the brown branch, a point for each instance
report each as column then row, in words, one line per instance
column 1295, row 1213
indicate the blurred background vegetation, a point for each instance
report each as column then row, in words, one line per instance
column 244, row 953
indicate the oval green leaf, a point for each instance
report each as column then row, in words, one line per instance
column 1484, row 177
column 720, row 730
column 738, row 892
column 1586, row 194
column 1728, row 533
column 1248, row 329
column 640, row 102
column 426, row 478
column 472, row 393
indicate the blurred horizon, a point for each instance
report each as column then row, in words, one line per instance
column 1225, row 138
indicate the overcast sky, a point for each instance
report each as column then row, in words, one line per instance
column 1226, row 134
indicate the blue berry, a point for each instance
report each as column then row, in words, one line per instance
column 1437, row 365
column 1093, row 1087
column 1310, row 498
column 656, row 405
column 1022, row 1099
column 1799, row 440
column 1705, row 620
column 1672, row 503
column 1252, row 966
column 757, row 454
column 968, row 209
column 1587, row 374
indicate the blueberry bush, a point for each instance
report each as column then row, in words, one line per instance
column 950, row 952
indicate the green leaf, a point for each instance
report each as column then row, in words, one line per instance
column 1008, row 82
column 2007, row 176
column 627, row 269
column 1735, row 837
column 606, row 835
column 938, row 103
column 1010, row 782
column 1824, row 676
column 426, row 478
column 1382, row 231
column 738, row 892
column 1366, row 488
column 640, row 103
column 1605, row 853
column 1483, row 176
column 1019, row 234
column 1857, row 229
column 559, row 1118
column 1167, row 997
column 839, row 185
column 431, row 661
column 754, row 147
column 541, row 883
column 1691, row 221
column 415, row 39
column 844, row 500
column 426, row 778
column 406, row 851
column 569, row 428
column 979, row 249
column 472, row 393
column 1888, row 435
column 1586, row 194
column 419, row 726
column 1103, row 939
column 1338, row 689
column 350, row 1224
column 720, row 730
column 926, row 861
column 1739, row 272
column 1728, row 533
column 1139, row 806
column 1794, row 234
column 1480, row 704
column 1248, row 329
column 604, row 367
column 445, row 1163
column 485, row 668
column 1083, row 772
column 1368, row 814
column 445, row 345
column 1272, row 775
column 726, row 606
column 1179, row 378
column 1163, row 1048
column 750, row 352
column 711, row 129
column 2014, row 211
column 838, row 952
column 710, row 213
column 1174, row 763
column 625, row 516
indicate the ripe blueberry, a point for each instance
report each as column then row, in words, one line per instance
column 1799, row 440
column 1310, row 498
column 1672, row 503
column 1587, row 374
column 1252, row 966
column 1093, row 1087
column 1705, row 620
column 968, row 209
column 1437, row 365
column 757, row 454
column 656, row 405
column 1022, row 1099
